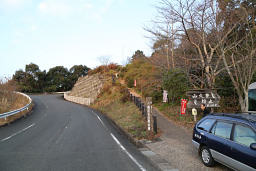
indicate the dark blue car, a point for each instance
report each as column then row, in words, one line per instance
column 229, row 139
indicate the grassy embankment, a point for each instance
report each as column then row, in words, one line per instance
column 114, row 102
column 10, row 101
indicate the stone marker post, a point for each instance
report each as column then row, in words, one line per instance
column 194, row 113
column 165, row 96
column 149, row 112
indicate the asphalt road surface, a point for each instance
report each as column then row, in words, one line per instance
column 63, row 136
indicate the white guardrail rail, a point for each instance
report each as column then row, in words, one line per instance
column 14, row 112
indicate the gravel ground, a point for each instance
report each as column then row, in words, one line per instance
column 176, row 147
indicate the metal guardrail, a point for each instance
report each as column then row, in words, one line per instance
column 14, row 112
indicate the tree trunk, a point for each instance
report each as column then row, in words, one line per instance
column 244, row 102
column 208, row 76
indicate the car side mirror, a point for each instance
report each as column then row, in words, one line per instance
column 253, row 146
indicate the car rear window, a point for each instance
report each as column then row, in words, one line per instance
column 222, row 129
column 206, row 124
column 244, row 135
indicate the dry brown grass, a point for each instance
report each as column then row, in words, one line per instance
column 9, row 100
column 124, row 113
column 10, row 119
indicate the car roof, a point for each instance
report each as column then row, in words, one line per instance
column 246, row 118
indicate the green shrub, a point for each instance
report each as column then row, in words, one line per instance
column 176, row 83
column 147, row 76
column 130, row 82
column 225, row 86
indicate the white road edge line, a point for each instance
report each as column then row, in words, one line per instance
column 101, row 121
column 23, row 130
column 131, row 157
column 121, row 146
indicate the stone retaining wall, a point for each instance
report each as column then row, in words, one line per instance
column 86, row 89
column 79, row 100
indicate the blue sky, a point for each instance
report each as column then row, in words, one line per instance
column 68, row 32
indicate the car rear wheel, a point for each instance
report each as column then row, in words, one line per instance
column 206, row 157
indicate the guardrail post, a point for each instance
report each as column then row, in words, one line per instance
column 139, row 104
column 155, row 124
column 145, row 111
column 142, row 108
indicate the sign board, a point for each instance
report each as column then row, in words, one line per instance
column 183, row 106
column 208, row 97
column 165, row 96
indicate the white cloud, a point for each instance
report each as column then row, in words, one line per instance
column 105, row 8
column 95, row 10
column 9, row 5
column 54, row 7
column 88, row 6
column 13, row 2
column 42, row 6
column 19, row 34
column 33, row 28
column 65, row 7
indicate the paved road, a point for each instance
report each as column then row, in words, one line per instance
column 61, row 136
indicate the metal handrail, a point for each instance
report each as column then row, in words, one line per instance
column 4, row 115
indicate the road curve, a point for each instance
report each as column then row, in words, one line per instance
column 63, row 136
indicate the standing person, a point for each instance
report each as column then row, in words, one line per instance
column 205, row 110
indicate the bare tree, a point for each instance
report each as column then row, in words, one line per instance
column 104, row 60
column 239, row 57
column 199, row 22
column 164, row 36
column 218, row 46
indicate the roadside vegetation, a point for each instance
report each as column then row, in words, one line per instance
column 152, row 80
column 114, row 102
column 8, row 99
column 57, row 79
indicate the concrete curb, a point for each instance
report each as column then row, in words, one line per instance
column 137, row 143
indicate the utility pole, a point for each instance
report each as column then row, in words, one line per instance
column 167, row 48
column 173, row 63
